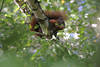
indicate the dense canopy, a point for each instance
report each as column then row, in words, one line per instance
column 77, row 42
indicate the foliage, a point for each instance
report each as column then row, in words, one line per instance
column 75, row 48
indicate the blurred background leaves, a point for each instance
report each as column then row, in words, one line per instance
column 77, row 44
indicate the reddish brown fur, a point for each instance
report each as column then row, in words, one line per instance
column 55, row 17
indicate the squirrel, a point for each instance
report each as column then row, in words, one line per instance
column 56, row 21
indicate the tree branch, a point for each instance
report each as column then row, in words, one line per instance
column 33, row 7
column 38, row 12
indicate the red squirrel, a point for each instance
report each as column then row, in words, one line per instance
column 56, row 21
